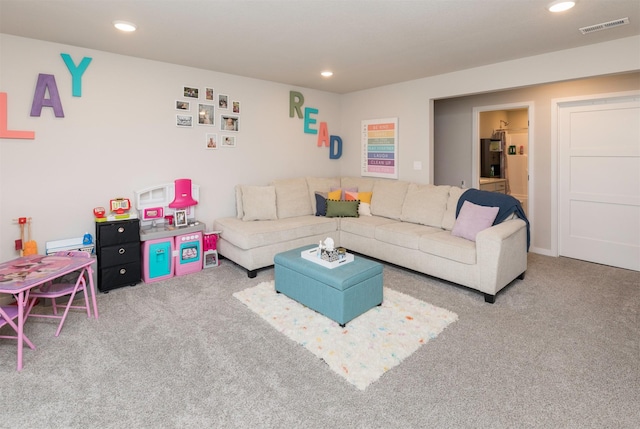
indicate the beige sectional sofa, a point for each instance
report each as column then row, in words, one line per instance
column 406, row 224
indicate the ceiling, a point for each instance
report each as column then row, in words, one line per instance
column 366, row 43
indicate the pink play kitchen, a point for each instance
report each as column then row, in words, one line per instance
column 172, row 239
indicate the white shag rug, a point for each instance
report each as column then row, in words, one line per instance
column 368, row 346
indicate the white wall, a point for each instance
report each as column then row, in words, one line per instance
column 120, row 136
column 412, row 103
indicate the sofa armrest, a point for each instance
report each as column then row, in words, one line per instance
column 502, row 254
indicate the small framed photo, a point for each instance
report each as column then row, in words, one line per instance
column 223, row 101
column 228, row 141
column 190, row 91
column 212, row 141
column 210, row 259
column 229, row 123
column 184, row 121
column 208, row 94
column 205, row 114
column 183, row 105
column 235, row 107
column 180, row 218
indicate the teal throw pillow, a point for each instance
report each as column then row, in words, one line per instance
column 340, row 208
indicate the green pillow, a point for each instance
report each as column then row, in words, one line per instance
column 341, row 208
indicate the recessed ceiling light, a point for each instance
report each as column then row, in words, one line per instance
column 327, row 73
column 561, row 5
column 124, row 26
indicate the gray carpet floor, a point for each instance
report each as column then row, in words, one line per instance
column 560, row 349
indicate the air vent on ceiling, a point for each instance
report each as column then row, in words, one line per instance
column 604, row 25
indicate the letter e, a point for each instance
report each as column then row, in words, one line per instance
column 308, row 120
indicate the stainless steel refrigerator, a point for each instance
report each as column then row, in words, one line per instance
column 490, row 158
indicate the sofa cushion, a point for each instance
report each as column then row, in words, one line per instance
column 472, row 219
column 258, row 203
column 343, row 191
column 445, row 245
column 363, row 184
column 388, row 197
column 449, row 218
column 292, row 196
column 339, row 208
column 334, row 194
column 321, row 203
column 364, row 209
column 250, row 235
column 320, row 184
column 425, row 204
column 403, row 234
column 364, row 226
column 239, row 209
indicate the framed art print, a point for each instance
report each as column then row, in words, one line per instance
column 205, row 114
column 190, row 92
column 184, row 121
column 228, row 141
column 379, row 148
column 183, row 105
column 211, row 141
column 229, row 123
column 223, row 101
column 208, row 93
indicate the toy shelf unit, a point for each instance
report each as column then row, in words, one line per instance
column 118, row 253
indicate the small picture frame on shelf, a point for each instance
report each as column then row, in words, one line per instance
column 180, row 218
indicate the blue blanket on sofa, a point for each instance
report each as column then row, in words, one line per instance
column 505, row 203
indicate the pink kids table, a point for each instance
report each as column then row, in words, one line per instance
column 19, row 276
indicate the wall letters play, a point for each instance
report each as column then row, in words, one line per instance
column 46, row 84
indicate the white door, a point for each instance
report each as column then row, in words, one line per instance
column 599, row 181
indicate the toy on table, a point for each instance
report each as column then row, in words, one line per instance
column 120, row 205
column 29, row 247
column 99, row 212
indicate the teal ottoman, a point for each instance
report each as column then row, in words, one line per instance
column 342, row 293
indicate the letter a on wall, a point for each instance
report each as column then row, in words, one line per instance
column 46, row 82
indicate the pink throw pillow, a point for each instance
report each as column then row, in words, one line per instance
column 472, row 219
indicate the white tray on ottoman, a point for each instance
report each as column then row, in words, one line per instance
column 312, row 255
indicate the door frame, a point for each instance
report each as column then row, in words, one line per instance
column 556, row 105
column 475, row 154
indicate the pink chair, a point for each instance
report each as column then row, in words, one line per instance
column 53, row 291
column 7, row 316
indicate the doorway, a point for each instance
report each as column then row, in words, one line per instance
column 502, row 150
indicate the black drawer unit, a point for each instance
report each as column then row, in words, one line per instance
column 118, row 251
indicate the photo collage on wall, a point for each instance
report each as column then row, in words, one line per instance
column 205, row 103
